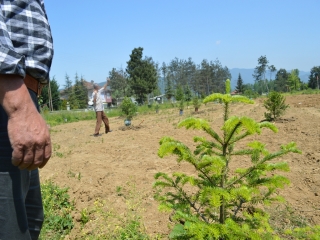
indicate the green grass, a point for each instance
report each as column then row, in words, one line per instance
column 98, row 221
column 57, row 212
column 291, row 225
column 61, row 117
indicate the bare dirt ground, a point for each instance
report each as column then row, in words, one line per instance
column 95, row 167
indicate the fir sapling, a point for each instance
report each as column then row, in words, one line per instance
column 221, row 202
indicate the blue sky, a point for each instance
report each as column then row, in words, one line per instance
column 92, row 37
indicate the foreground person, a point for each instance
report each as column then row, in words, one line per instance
column 25, row 60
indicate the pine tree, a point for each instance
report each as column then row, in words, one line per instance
column 55, row 96
column 275, row 104
column 314, row 78
column 68, row 86
column 240, row 86
column 168, row 89
column 187, row 93
column 179, row 93
column 118, row 83
column 221, row 202
column 81, row 92
column 142, row 73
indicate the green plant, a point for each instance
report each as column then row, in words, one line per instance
column 275, row 104
column 196, row 103
column 45, row 109
column 181, row 105
column 57, row 210
column 222, row 201
column 250, row 93
column 59, row 154
column 71, row 174
column 128, row 108
column 110, row 224
column 118, row 190
column 157, row 107
column 84, row 216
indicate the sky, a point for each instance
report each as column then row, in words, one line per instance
column 92, row 37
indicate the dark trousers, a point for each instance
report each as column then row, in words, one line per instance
column 101, row 116
column 21, row 210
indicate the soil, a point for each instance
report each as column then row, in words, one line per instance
column 97, row 167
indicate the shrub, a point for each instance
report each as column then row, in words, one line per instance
column 157, row 107
column 181, row 105
column 196, row 103
column 220, row 202
column 275, row 104
column 128, row 108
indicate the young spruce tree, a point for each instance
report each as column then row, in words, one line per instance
column 220, row 202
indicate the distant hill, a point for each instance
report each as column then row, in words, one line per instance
column 246, row 75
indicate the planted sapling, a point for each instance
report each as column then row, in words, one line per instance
column 221, row 201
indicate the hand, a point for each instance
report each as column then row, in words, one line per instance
column 30, row 140
column 28, row 133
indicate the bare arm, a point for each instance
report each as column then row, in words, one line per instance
column 105, row 86
column 28, row 133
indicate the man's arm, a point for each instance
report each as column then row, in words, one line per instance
column 105, row 86
column 28, row 133
column 94, row 99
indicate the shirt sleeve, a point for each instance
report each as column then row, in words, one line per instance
column 26, row 44
column 11, row 62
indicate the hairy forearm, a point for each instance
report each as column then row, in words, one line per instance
column 28, row 133
column 14, row 95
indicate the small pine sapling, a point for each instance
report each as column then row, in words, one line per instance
column 276, row 106
column 220, row 201
column 196, row 103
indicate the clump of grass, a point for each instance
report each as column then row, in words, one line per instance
column 107, row 223
column 289, row 224
column 57, row 211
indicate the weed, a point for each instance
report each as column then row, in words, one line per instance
column 71, row 174
column 115, row 226
column 118, row 190
column 84, row 216
column 57, row 210
column 56, row 147
column 59, row 154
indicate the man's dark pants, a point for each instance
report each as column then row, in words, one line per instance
column 21, row 211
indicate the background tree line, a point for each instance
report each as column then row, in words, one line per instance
column 74, row 93
column 179, row 79
column 143, row 76
column 283, row 80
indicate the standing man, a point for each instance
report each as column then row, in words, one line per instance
column 26, row 51
column 98, row 107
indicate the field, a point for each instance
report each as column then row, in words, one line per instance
column 118, row 167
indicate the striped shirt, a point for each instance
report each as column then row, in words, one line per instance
column 26, row 44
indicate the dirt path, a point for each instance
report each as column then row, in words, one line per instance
column 94, row 167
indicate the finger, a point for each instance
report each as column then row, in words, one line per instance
column 27, row 159
column 38, row 157
column 17, row 155
column 47, row 154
